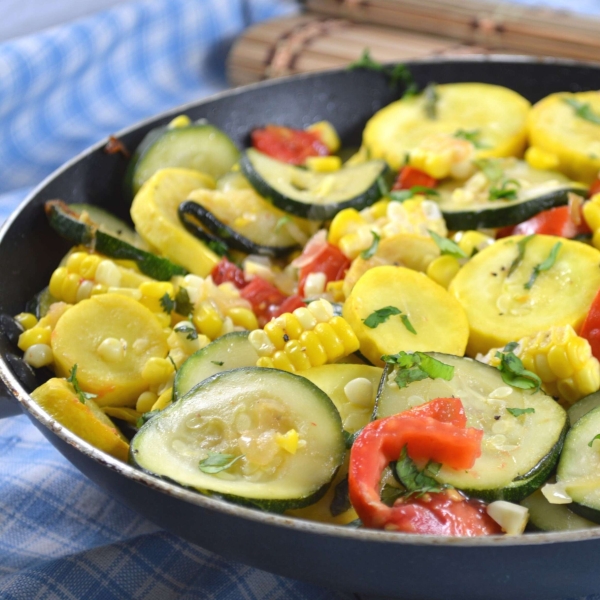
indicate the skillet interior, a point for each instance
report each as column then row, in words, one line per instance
column 536, row 566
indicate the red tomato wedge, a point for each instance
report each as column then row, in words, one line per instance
column 434, row 431
column 225, row 271
column 555, row 221
column 409, row 177
column 327, row 259
column 288, row 145
column 264, row 297
column 590, row 330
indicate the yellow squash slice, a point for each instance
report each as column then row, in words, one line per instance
column 80, row 338
column 154, row 212
column 58, row 398
column 499, row 306
column 497, row 115
column 438, row 319
column 556, row 127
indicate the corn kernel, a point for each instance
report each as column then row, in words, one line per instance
column 88, row 266
column 291, row 325
column 330, row 341
column 288, row 441
column 321, row 310
column 157, row 370
column 587, row 380
column 542, row 368
column 471, row 241
column 207, row 320
column 313, row 348
column 276, row 334
column 99, row 289
column 579, row 352
column 84, row 291
column 243, row 317
column 39, row 355
column 157, row 289
column 336, row 289
column 108, row 274
column 327, row 134
column 35, row 335
column 26, row 320
column 163, row 318
column 305, row 318
column 559, row 362
column 380, row 209
column 56, row 281
column 146, row 401
column 112, row 350
column 541, row 159
column 265, row 362
column 323, row 164
column 443, row 269
column 359, row 391
column 296, row 355
column 262, row 343
column 345, row 222
column 315, row 284
column 163, row 400
column 281, row 361
column 345, row 334
column 179, row 121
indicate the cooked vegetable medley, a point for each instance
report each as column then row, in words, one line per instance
column 391, row 342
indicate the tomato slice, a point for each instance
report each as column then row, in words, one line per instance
column 590, row 330
column 290, row 304
column 292, row 146
column 555, row 221
column 434, row 431
column 327, row 259
column 225, row 271
column 409, row 177
column 264, row 297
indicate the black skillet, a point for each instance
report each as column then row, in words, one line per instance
column 535, row 566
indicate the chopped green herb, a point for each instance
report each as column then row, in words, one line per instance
column 380, row 316
column 391, row 493
column 402, row 195
column 72, row 379
column 219, row 363
column 596, row 437
column 396, row 74
column 471, row 135
column 517, row 412
column 407, row 324
column 282, row 222
column 217, row 462
column 146, row 417
column 431, row 100
column 544, row 266
column 167, row 303
column 583, row 110
column 218, row 247
column 447, row 246
column 401, row 74
column 172, row 362
column 366, row 62
column 192, row 334
column 372, row 249
column 417, row 366
column 183, row 306
column 514, row 373
column 418, row 481
column 491, row 168
column 511, row 346
column 382, row 186
column 503, row 191
column 520, row 253
column 341, row 501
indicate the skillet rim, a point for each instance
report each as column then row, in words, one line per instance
column 31, row 408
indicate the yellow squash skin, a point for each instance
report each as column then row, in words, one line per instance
column 81, row 330
column 554, row 127
column 497, row 113
column 501, row 310
column 439, row 320
column 58, row 398
column 154, row 212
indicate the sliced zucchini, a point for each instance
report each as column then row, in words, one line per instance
column 544, row 516
column 582, row 407
column 470, row 205
column 496, row 113
column 252, row 415
column 518, row 452
column 315, row 196
column 198, row 146
column 40, row 303
column 230, row 351
column 79, row 229
column 501, row 309
column 578, row 471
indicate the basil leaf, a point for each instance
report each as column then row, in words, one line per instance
column 372, row 249
column 503, row 192
column 341, row 500
column 431, row 99
column 407, row 324
column 400, row 195
column 517, row 412
column 183, row 306
column 520, row 253
column 514, row 373
column 380, row 316
column 583, row 110
column 544, row 266
column 397, row 74
column 491, row 168
column 423, row 189
column 417, row 366
column 218, row 247
column 167, row 303
column 72, row 379
column 596, row 437
column 417, row 481
column 511, row 346
column 471, row 135
column 447, row 246
column 390, row 493
column 217, row 462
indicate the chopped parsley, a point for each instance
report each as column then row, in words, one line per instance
column 167, row 303
column 417, row 366
column 72, row 379
column 517, row 412
column 183, row 306
column 397, row 74
column 219, row 247
column 520, row 253
column 418, row 481
column 503, row 191
column 583, row 110
column 447, row 246
column 219, row 363
column 491, row 168
column 282, row 222
column 402, row 195
column 596, row 437
column 407, row 324
column 381, row 315
column 470, row 135
column 372, row 249
column 514, row 373
column 216, row 462
column 544, row 266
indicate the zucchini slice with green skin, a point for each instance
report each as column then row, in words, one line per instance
column 198, row 146
column 518, row 452
column 470, row 207
column 92, row 235
column 315, row 196
column 230, row 351
column 40, row 303
column 243, row 414
column 578, row 471
column 190, row 211
column 582, row 407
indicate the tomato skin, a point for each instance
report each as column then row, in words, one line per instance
column 409, row 177
column 328, row 259
column 225, row 271
column 555, row 221
column 264, row 297
column 590, row 330
column 288, row 145
column 290, row 304
column 595, row 187
column 434, row 431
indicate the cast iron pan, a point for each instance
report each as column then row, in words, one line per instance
column 535, row 566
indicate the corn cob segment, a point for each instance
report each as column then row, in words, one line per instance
column 562, row 360
column 308, row 337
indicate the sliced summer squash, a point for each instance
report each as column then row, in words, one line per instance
column 496, row 113
column 438, row 319
column 58, row 398
column 501, row 309
column 154, row 212
column 284, row 431
column 76, row 340
column 555, row 126
column 518, row 452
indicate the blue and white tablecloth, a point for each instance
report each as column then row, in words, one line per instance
column 61, row 90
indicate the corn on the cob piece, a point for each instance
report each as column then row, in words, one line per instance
column 562, row 360
column 308, row 337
